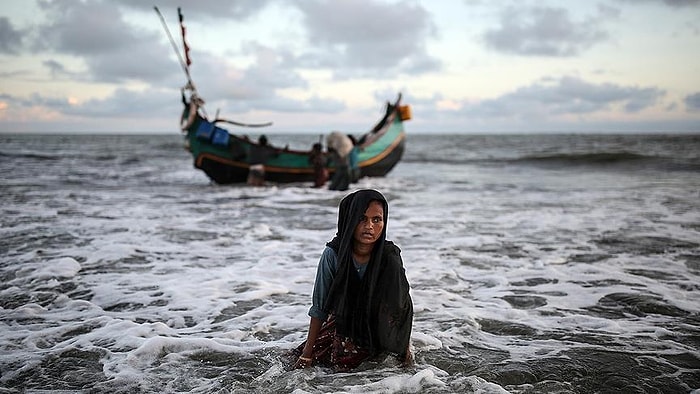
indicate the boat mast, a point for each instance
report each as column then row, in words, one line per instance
column 184, row 65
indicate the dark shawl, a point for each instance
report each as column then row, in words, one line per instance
column 377, row 311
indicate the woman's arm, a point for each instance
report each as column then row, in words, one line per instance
column 324, row 277
column 305, row 359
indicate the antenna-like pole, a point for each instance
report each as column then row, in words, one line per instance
column 175, row 48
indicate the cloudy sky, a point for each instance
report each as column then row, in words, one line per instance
column 316, row 65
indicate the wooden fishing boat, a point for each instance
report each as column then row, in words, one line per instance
column 225, row 157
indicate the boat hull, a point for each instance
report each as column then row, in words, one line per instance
column 223, row 157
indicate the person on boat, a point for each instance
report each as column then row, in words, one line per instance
column 259, row 155
column 354, row 160
column 318, row 160
column 361, row 306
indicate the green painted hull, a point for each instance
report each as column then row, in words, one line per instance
column 224, row 156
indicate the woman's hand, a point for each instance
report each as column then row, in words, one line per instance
column 303, row 362
column 408, row 359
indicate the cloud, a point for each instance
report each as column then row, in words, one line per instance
column 545, row 31
column 92, row 60
column 10, row 38
column 256, row 86
column 681, row 3
column 83, row 28
column 692, row 102
column 315, row 104
column 112, row 50
column 214, row 9
column 122, row 103
column 58, row 70
column 37, row 100
column 368, row 37
column 565, row 96
column 671, row 3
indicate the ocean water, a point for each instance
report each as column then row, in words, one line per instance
column 547, row 263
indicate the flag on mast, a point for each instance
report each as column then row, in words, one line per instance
column 184, row 42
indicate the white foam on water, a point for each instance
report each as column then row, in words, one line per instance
column 154, row 278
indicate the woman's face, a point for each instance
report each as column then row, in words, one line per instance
column 371, row 224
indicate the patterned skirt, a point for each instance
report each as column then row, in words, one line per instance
column 332, row 350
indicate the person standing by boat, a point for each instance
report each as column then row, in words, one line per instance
column 259, row 155
column 341, row 176
column 361, row 306
column 318, row 160
column 339, row 147
column 354, row 160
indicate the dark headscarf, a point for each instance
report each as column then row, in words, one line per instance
column 375, row 311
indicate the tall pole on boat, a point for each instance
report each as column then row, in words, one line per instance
column 175, row 48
